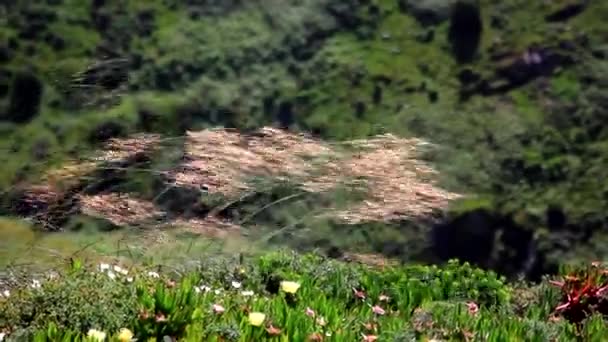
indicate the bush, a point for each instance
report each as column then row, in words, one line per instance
column 311, row 298
column 77, row 301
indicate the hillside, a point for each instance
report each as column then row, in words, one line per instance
column 509, row 95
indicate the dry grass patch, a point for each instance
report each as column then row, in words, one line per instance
column 221, row 161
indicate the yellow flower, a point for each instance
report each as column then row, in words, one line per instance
column 125, row 335
column 96, row 335
column 256, row 318
column 290, row 286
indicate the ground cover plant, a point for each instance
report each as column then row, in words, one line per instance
column 283, row 296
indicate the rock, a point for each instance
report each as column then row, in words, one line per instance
column 26, row 94
column 465, row 30
column 570, row 9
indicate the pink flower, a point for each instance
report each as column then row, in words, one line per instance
column 359, row 294
column 473, row 308
column 310, row 312
column 218, row 309
column 378, row 310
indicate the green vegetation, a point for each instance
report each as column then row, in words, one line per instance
column 512, row 94
column 300, row 296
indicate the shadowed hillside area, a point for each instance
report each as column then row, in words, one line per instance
column 381, row 132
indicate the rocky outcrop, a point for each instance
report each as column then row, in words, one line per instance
column 513, row 70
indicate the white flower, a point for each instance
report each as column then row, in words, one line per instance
column 104, row 267
column 96, row 335
column 2, row 336
column 6, row 293
column 153, row 274
column 205, row 288
column 130, row 279
column 120, row 270
column 236, row 284
column 36, row 284
column 247, row 293
column 218, row 291
column 112, row 275
column 197, row 289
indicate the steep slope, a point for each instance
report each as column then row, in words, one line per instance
column 511, row 92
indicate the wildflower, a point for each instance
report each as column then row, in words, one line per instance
column 370, row 338
column 112, row 275
column 130, row 279
column 36, row 284
column 6, row 293
column 120, row 270
column 273, row 331
column 96, row 335
column 236, row 284
column 310, row 312
column 2, row 336
column 125, row 335
column 247, row 293
column 290, row 286
column 256, row 318
column 160, row 318
column 217, row 292
column 197, row 289
column 104, row 267
column 143, row 315
column 473, row 308
column 170, row 284
column 384, row 298
column 370, row 326
column 153, row 274
column 218, row 309
column 378, row 310
column 315, row 337
column 359, row 294
column 321, row 321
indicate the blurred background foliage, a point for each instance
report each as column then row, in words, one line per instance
column 513, row 92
